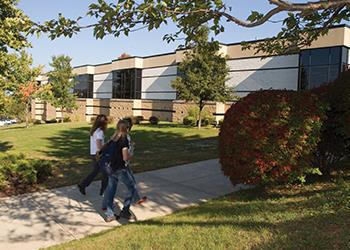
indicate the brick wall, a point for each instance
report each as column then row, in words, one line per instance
column 165, row 110
column 120, row 108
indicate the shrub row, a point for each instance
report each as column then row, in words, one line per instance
column 17, row 170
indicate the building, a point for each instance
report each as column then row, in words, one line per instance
column 142, row 85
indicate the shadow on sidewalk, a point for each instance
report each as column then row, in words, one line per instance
column 80, row 215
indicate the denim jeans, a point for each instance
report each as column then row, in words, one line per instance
column 127, row 177
column 92, row 175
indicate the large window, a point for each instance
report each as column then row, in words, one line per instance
column 319, row 66
column 127, row 84
column 84, row 86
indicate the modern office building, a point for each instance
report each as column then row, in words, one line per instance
column 142, row 85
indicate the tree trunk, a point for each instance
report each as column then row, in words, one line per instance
column 27, row 113
column 62, row 119
column 201, row 106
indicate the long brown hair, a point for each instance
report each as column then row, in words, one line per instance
column 100, row 122
column 121, row 130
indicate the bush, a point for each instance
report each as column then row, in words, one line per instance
column 37, row 122
column 220, row 122
column 17, row 170
column 193, row 115
column 51, row 121
column 270, row 137
column 190, row 121
column 335, row 140
column 67, row 119
column 154, row 120
column 43, row 169
column 134, row 119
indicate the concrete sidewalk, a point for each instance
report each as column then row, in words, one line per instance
column 41, row 219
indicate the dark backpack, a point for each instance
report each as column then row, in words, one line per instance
column 106, row 155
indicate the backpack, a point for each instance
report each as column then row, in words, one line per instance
column 105, row 157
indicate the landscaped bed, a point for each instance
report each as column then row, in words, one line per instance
column 67, row 146
column 315, row 216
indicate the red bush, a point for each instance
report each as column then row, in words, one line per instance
column 270, row 136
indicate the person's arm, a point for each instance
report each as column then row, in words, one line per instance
column 126, row 155
column 99, row 144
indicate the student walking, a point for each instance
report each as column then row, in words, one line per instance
column 113, row 160
column 97, row 138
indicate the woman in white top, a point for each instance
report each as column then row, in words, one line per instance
column 96, row 143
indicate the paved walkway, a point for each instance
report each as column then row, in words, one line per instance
column 41, row 219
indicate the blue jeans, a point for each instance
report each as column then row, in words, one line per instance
column 127, row 177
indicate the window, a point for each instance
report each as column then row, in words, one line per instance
column 84, row 86
column 319, row 66
column 127, row 84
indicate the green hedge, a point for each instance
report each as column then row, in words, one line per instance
column 16, row 169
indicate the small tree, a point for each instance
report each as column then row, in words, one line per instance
column 62, row 82
column 204, row 73
column 22, row 79
column 28, row 92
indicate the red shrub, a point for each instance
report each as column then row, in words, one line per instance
column 270, row 136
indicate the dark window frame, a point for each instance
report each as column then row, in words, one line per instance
column 86, row 92
column 127, row 83
column 306, row 84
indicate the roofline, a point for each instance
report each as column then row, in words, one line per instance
column 266, row 39
column 171, row 53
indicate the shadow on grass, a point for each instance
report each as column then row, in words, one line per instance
column 318, row 221
column 5, row 146
column 155, row 149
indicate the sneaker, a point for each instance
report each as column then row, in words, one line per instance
column 125, row 214
column 81, row 190
column 110, row 218
column 142, row 200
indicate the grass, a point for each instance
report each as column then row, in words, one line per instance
column 67, row 145
column 315, row 216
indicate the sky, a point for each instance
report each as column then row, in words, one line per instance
column 85, row 49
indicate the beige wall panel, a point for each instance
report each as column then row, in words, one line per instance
column 158, row 61
column 335, row 37
column 347, row 37
column 104, row 68
column 128, row 63
column 84, row 70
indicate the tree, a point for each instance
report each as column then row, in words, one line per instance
column 14, row 25
column 20, row 81
column 62, row 82
column 204, row 73
column 124, row 56
column 303, row 22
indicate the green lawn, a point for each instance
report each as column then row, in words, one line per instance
column 315, row 216
column 67, row 145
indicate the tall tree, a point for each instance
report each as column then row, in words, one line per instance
column 302, row 22
column 21, row 82
column 62, row 82
column 14, row 25
column 204, row 73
